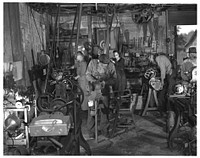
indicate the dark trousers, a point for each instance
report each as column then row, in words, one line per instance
column 163, row 94
column 121, row 83
column 103, row 104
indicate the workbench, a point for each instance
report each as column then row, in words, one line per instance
column 184, row 114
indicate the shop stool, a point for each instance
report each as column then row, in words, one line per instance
column 95, row 114
column 147, row 108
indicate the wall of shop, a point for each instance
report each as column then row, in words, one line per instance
column 130, row 32
column 157, row 25
column 24, row 30
column 35, row 30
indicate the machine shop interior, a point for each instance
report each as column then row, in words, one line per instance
column 99, row 79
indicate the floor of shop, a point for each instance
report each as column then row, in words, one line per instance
column 149, row 137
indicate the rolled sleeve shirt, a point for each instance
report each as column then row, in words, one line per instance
column 164, row 65
column 93, row 75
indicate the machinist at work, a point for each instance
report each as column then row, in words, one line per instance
column 81, row 66
column 165, row 67
column 101, row 74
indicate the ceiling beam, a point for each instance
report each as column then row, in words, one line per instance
column 70, row 8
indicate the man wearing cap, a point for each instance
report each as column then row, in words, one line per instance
column 165, row 67
column 101, row 74
column 188, row 65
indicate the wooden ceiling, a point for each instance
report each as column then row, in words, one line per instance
column 99, row 8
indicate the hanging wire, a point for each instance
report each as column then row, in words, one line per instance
column 117, row 24
column 54, row 35
column 37, row 29
column 101, row 18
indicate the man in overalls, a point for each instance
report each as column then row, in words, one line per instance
column 101, row 74
column 165, row 67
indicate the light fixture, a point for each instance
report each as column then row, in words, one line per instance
column 12, row 123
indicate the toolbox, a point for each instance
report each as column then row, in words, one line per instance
column 50, row 125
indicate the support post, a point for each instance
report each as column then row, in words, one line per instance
column 175, row 44
column 89, row 19
column 58, row 30
column 53, row 50
column 96, row 121
column 109, row 27
column 106, row 48
column 78, row 27
column 71, row 36
column 167, row 27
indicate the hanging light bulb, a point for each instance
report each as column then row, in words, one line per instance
column 12, row 123
column 57, row 56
